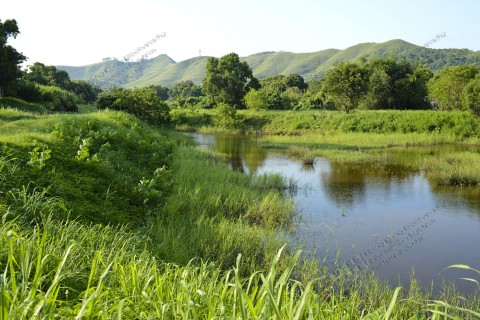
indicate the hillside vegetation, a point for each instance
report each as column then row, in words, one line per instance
column 162, row 70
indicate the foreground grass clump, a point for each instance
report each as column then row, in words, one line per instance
column 71, row 270
column 87, row 161
column 216, row 213
column 110, row 168
column 456, row 169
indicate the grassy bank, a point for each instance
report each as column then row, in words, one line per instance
column 359, row 136
column 445, row 126
column 103, row 216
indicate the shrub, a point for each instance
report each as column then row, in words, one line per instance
column 28, row 91
column 141, row 102
column 226, row 117
column 59, row 100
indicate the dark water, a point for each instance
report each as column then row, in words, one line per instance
column 383, row 216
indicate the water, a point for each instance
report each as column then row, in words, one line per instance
column 382, row 216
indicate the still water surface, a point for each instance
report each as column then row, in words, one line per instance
column 381, row 216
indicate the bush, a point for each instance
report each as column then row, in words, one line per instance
column 141, row 102
column 257, row 99
column 226, row 117
column 471, row 95
column 59, row 100
column 28, row 91
column 105, row 100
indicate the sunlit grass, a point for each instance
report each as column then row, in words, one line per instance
column 162, row 231
column 458, row 169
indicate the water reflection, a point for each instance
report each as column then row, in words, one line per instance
column 344, row 184
column 351, row 208
column 244, row 155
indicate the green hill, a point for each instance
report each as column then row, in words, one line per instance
column 165, row 71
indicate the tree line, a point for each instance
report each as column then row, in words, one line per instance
column 229, row 85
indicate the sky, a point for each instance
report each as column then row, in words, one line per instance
column 76, row 33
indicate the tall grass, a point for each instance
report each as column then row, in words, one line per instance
column 105, row 217
column 443, row 126
column 457, row 169
column 216, row 213
column 75, row 271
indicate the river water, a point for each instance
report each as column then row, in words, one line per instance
column 380, row 216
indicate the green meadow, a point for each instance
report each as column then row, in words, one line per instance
column 107, row 217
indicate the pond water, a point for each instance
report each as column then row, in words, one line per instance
column 381, row 216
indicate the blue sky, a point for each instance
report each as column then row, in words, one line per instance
column 82, row 32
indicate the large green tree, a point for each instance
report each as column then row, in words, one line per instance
column 446, row 88
column 396, row 84
column 48, row 76
column 10, row 58
column 228, row 79
column 162, row 92
column 295, row 80
column 85, row 90
column 345, row 85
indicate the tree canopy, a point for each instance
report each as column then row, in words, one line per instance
column 10, row 58
column 396, row 84
column 48, row 76
column 228, row 79
column 447, row 86
column 345, row 85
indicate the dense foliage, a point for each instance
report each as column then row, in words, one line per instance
column 10, row 58
column 141, row 102
column 457, row 125
column 145, row 207
column 58, row 100
column 227, row 80
column 447, row 88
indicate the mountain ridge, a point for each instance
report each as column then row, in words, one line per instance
column 163, row 70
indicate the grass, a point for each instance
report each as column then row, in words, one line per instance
column 14, row 103
column 105, row 217
column 457, row 169
column 420, row 127
column 216, row 213
column 72, row 270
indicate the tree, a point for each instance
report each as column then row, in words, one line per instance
column 256, row 99
column 85, row 90
column 185, row 89
column 311, row 100
column 162, row 92
column 274, row 87
column 227, row 80
column 295, row 80
column 448, row 85
column 48, row 76
column 291, row 97
column 274, row 83
column 10, row 58
column 395, row 84
column 345, row 85
column 471, row 95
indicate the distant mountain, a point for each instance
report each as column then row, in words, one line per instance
column 165, row 71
